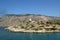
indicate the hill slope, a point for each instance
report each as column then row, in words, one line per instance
column 13, row 19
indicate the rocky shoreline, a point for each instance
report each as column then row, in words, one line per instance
column 24, row 30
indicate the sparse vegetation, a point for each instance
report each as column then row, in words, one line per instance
column 24, row 22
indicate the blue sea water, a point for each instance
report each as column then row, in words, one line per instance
column 5, row 35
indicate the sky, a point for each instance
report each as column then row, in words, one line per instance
column 44, row 7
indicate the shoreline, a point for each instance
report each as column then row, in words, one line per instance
column 24, row 30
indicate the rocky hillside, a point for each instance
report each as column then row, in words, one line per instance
column 13, row 19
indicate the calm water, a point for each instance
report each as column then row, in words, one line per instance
column 5, row 35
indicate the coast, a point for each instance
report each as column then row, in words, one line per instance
column 24, row 30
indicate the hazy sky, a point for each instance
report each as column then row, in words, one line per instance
column 44, row 7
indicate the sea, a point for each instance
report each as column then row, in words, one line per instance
column 7, row 35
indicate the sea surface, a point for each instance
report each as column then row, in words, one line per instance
column 6, row 35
